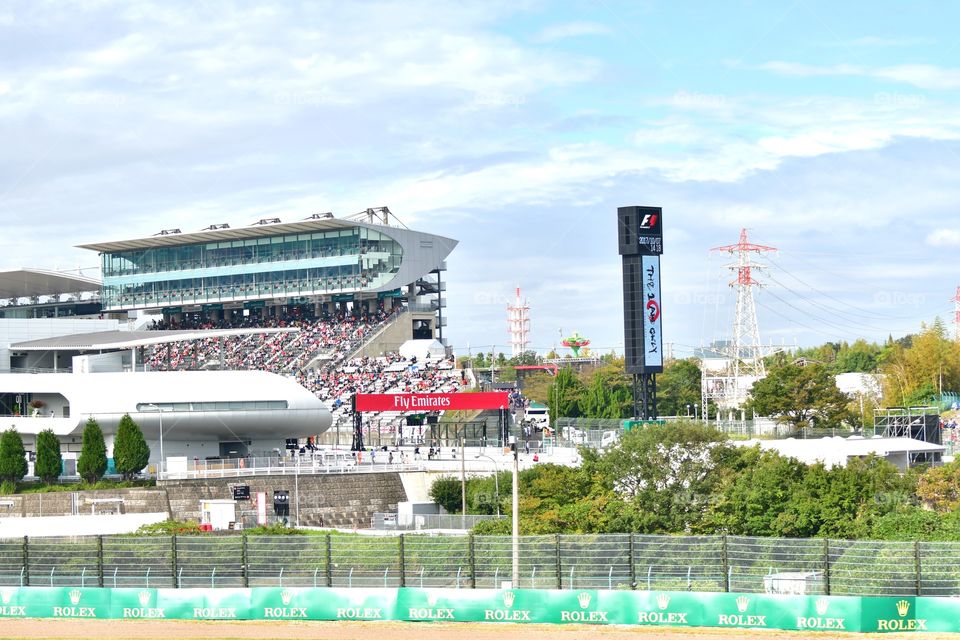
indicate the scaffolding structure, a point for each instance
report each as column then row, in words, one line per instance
column 918, row 423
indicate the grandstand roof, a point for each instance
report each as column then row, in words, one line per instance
column 129, row 339
column 221, row 235
column 23, row 283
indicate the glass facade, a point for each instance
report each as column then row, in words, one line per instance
column 321, row 262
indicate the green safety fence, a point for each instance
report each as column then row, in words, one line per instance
column 651, row 608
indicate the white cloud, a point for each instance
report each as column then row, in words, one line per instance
column 571, row 30
column 944, row 238
column 923, row 76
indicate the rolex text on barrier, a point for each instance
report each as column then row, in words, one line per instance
column 431, row 401
column 572, row 607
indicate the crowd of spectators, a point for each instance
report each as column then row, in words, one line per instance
column 386, row 374
column 317, row 355
column 332, row 337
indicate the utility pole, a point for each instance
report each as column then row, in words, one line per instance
column 516, row 516
column 463, row 481
column 956, row 315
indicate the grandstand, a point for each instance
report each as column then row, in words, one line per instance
column 318, row 267
column 325, row 302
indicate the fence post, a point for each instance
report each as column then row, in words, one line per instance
column 826, row 565
column 26, row 561
column 473, row 562
column 725, row 558
column 329, row 562
column 916, row 555
column 403, row 563
column 633, row 564
column 173, row 560
column 559, row 574
column 244, row 558
column 99, row 561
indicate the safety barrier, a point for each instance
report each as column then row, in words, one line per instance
column 652, row 608
column 616, row 561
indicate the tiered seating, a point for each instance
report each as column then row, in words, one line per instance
column 336, row 377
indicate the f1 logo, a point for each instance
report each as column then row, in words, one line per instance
column 649, row 221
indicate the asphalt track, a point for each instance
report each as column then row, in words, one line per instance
column 206, row 630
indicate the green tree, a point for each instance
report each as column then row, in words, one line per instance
column 565, row 395
column 860, row 357
column 92, row 463
column 667, row 472
column 940, row 487
column 678, row 387
column 13, row 458
column 609, row 393
column 749, row 503
column 801, row 396
column 843, row 502
column 915, row 369
column 130, row 450
column 447, row 493
column 49, row 463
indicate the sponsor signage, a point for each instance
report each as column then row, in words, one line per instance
column 431, row 401
column 395, row 293
column 342, row 297
column 213, row 306
column 254, row 304
column 652, row 325
column 747, row 610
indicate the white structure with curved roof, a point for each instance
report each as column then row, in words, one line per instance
column 202, row 412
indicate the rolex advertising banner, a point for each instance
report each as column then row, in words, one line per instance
column 930, row 614
column 587, row 606
column 205, row 604
column 306, row 603
column 54, row 602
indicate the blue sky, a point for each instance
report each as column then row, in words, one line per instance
column 832, row 133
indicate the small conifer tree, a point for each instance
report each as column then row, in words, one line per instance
column 13, row 458
column 92, row 463
column 130, row 450
column 49, row 462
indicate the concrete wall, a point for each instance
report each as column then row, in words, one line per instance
column 394, row 335
column 77, row 525
column 65, row 503
column 344, row 501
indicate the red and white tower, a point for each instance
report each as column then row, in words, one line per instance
column 956, row 315
column 518, row 324
column 746, row 352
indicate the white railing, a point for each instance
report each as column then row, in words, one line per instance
column 245, row 467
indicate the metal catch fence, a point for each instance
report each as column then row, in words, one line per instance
column 675, row 563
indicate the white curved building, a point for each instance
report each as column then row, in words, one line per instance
column 203, row 413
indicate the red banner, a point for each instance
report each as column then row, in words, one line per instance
column 431, row 401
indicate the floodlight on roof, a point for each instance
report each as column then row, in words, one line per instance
column 321, row 216
column 214, row 227
column 167, row 232
column 268, row 221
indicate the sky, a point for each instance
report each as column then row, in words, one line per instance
column 830, row 130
